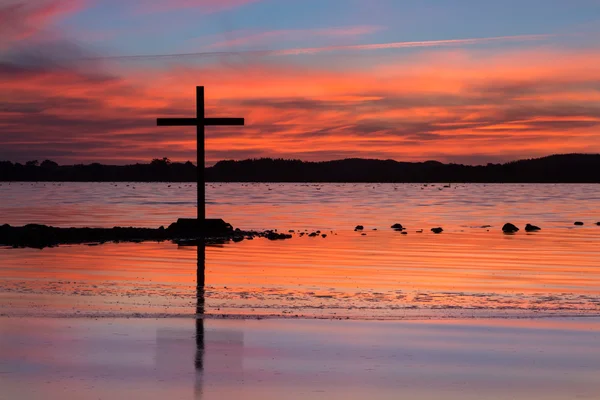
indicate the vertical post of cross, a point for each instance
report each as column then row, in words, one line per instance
column 201, row 185
column 200, row 122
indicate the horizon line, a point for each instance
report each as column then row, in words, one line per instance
column 308, row 161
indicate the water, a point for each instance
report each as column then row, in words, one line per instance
column 467, row 271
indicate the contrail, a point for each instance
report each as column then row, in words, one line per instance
column 325, row 49
column 402, row 45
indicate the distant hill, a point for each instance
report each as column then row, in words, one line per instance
column 563, row 168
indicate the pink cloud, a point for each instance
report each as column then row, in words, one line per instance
column 20, row 19
column 205, row 6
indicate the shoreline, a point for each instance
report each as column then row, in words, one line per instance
column 184, row 233
column 409, row 314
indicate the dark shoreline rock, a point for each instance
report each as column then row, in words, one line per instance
column 532, row 228
column 578, row 223
column 509, row 228
column 437, row 230
column 184, row 232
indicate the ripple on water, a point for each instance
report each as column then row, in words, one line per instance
column 470, row 268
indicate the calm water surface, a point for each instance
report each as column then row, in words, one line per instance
column 469, row 270
column 84, row 358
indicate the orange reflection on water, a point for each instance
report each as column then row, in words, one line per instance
column 381, row 274
column 469, row 267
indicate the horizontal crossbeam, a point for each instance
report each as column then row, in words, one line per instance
column 196, row 122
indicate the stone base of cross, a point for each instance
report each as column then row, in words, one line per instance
column 200, row 122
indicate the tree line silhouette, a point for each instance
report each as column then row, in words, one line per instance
column 562, row 168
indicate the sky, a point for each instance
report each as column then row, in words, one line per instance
column 464, row 81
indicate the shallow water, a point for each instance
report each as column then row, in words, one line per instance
column 299, row 359
column 466, row 271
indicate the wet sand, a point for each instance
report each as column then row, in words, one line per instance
column 76, row 358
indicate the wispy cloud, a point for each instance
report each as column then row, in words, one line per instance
column 242, row 38
column 21, row 19
column 405, row 45
column 204, row 6
column 357, row 47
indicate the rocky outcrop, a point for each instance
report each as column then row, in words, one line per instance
column 183, row 232
column 437, row 230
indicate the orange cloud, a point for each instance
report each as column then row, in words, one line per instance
column 454, row 105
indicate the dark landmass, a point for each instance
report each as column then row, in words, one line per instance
column 564, row 168
column 183, row 232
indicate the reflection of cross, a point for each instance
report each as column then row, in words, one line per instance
column 200, row 122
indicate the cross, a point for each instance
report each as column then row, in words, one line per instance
column 200, row 122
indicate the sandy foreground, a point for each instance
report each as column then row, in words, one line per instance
column 178, row 358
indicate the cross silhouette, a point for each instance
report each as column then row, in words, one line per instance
column 200, row 122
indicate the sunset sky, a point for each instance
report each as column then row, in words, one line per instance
column 474, row 81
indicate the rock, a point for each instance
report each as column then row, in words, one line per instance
column 189, row 227
column 277, row 236
column 509, row 228
column 363, row 234
column 301, row 234
column 313, row 234
column 291, row 231
column 324, row 236
column 578, row 223
column 404, row 233
column 598, row 223
column 318, row 232
column 420, row 231
column 532, row 228
column 359, row 228
column 397, row 227
column 437, row 230
column 485, row 226
column 237, row 239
